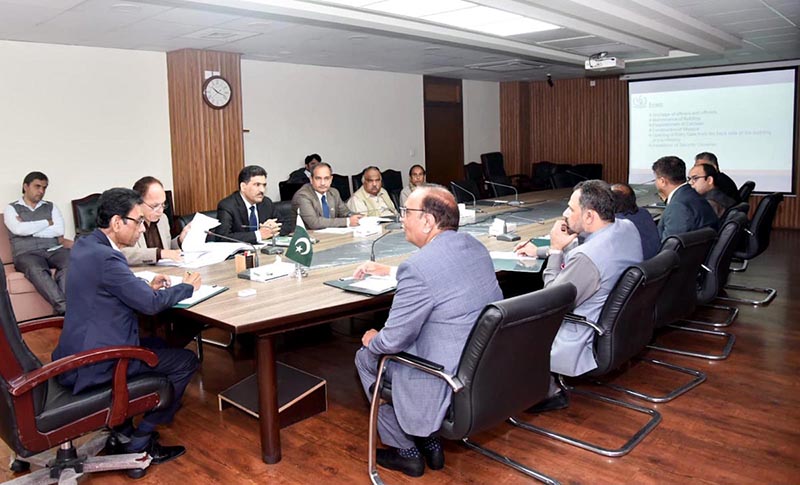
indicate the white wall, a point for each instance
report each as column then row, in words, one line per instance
column 352, row 118
column 481, row 119
column 89, row 118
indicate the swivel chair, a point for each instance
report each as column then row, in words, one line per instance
column 745, row 190
column 491, row 382
column 84, row 214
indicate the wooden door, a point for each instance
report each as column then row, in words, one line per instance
column 444, row 130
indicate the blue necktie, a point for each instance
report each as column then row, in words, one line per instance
column 253, row 218
column 326, row 210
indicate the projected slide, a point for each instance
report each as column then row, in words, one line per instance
column 746, row 119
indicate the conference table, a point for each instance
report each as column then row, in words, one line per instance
column 287, row 303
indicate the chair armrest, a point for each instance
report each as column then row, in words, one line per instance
column 580, row 320
column 26, row 382
column 425, row 366
column 33, row 325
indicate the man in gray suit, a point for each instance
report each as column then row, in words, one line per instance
column 319, row 204
column 441, row 291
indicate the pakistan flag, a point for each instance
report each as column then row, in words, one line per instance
column 300, row 247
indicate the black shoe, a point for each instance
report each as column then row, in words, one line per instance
column 552, row 403
column 159, row 454
column 116, row 444
column 391, row 459
column 434, row 458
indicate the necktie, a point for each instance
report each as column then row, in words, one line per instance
column 253, row 218
column 326, row 210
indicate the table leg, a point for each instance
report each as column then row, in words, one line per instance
column 268, row 400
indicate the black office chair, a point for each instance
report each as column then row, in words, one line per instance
column 184, row 220
column 37, row 413
column 474, row 171
column 358, row 180
column 541, row 173
column 742, row 207
column 623, row 330
column 498, row 190
column 754, row 242
column 494, row 169
column 678, row 301
column 745, row 190
column 342, row 185
column 562, row 180
column 392, row 182
column 588, row 171
column 84, row 214
column 287, row 189
column 492, row 382
column 169, row 210
column 465, row 191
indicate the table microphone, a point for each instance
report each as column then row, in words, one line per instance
column 372, row 249
column 576, row 174
column 474, row 200
column 227, row 238
column 516, row 200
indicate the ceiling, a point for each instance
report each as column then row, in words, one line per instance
column 647, row 34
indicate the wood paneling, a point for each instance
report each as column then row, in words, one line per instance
column 574, row 122
column 207, row 144
column 444, row 130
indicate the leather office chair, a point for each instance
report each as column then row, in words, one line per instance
column 494, row 169
column 460, row 189
column 588, row 171
column 474, row 171
column 742, row 207
column 498, row 190
column 340, row 183
column 25, row 299
column 84, row 213
column 287, row 189
column 357, row 180
column 491, row 382
column 678, row 301
column 623, row 330
column 183, row 221
column 745, row 190
column 393, row 183
column 563, row 180
column 37, row 413
column 541, row 172
column 169, row 210
column 754, row 242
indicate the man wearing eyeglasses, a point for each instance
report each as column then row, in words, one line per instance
column 686, row 210
column 155, row 243
column 36, row 230
column 104, row 299
column 703, row 179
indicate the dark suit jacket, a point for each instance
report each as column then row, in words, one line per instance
column 234, row 218
column 687, row 211
column 104, row 297
column 648, row 231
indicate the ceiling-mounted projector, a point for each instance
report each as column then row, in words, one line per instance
column 604, row 63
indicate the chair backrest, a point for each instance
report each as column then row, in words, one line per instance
column 287, row 189
column 15, row 359
column 497, row 190
column 746, row 189
column 340, row 183
column 493, row 165
column 358, row 180
column 679, row 298
column 742, row 207
column 562, row 180
column 183, row 221
column 459, row 193
column 505, row 365
column 592, row 171
column 757, row 240
column 392, row 180
column 717, row 266
column 285, row 216
column 627, row 318
column 6, row 254
column 84, row 213
column 474, row 171
column 541, row 172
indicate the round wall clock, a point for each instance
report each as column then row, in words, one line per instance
column 217, row 92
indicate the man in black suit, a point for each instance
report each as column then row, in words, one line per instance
column 247, row 214
column 303, row 175
column 686, row 209
column 722, row 181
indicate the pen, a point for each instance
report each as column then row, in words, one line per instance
column 346, row 279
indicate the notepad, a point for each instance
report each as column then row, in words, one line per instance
column 203, row 293
column 378, row 284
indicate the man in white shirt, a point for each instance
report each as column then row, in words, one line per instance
column 36, row 230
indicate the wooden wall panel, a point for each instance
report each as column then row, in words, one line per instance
column 207, row 144
column 574, row 122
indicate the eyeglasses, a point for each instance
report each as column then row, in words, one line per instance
column 695, row 178
column 139, row 221
column 157, row 207
column 404, row 210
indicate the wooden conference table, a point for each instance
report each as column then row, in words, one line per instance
column 287, row 304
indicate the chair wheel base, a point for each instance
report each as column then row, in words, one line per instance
column 136, row 473
column 19, row 466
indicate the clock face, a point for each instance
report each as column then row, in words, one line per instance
column 217, row 92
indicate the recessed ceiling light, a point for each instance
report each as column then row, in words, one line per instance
column 432, row 48
column 126, row 7
column 259, row 23
column 419, row 8
column 358, row 37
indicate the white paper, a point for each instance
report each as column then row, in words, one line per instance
column 195, row 240
column 335, row 230
column 376, row 283
column 204, row 291
column 509, row 255
column 373, row 220
column 271, row 271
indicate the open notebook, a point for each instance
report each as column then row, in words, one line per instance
column 204, row 293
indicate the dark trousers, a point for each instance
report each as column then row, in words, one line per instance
column 36, row 266
column 178, row 365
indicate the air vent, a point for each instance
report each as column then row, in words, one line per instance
column 220, row 35
column 511, row 65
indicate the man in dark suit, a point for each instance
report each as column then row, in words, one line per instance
column 625, row 208
column 686, row 209
column 723, row 182
column 303, row 175
column 104, row 297
column 248, row 214
column 320, row 205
